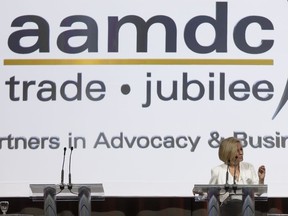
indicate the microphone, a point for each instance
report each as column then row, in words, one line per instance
column 227, row 174
column 62, row 171
column 234, row 177
column 70, row 184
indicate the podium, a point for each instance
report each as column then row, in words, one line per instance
column 214, row 194
column 83, row 193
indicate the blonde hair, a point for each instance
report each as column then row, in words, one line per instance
column 228, row 149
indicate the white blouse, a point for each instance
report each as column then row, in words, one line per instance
column 247, row 175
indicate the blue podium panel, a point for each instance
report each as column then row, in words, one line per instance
column 83, row 193
column 225, row 195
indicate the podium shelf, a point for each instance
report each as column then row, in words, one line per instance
column 97, row 191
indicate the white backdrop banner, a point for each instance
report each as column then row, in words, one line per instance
column 142, row 90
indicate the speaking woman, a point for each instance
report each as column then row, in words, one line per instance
column 234, row 170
